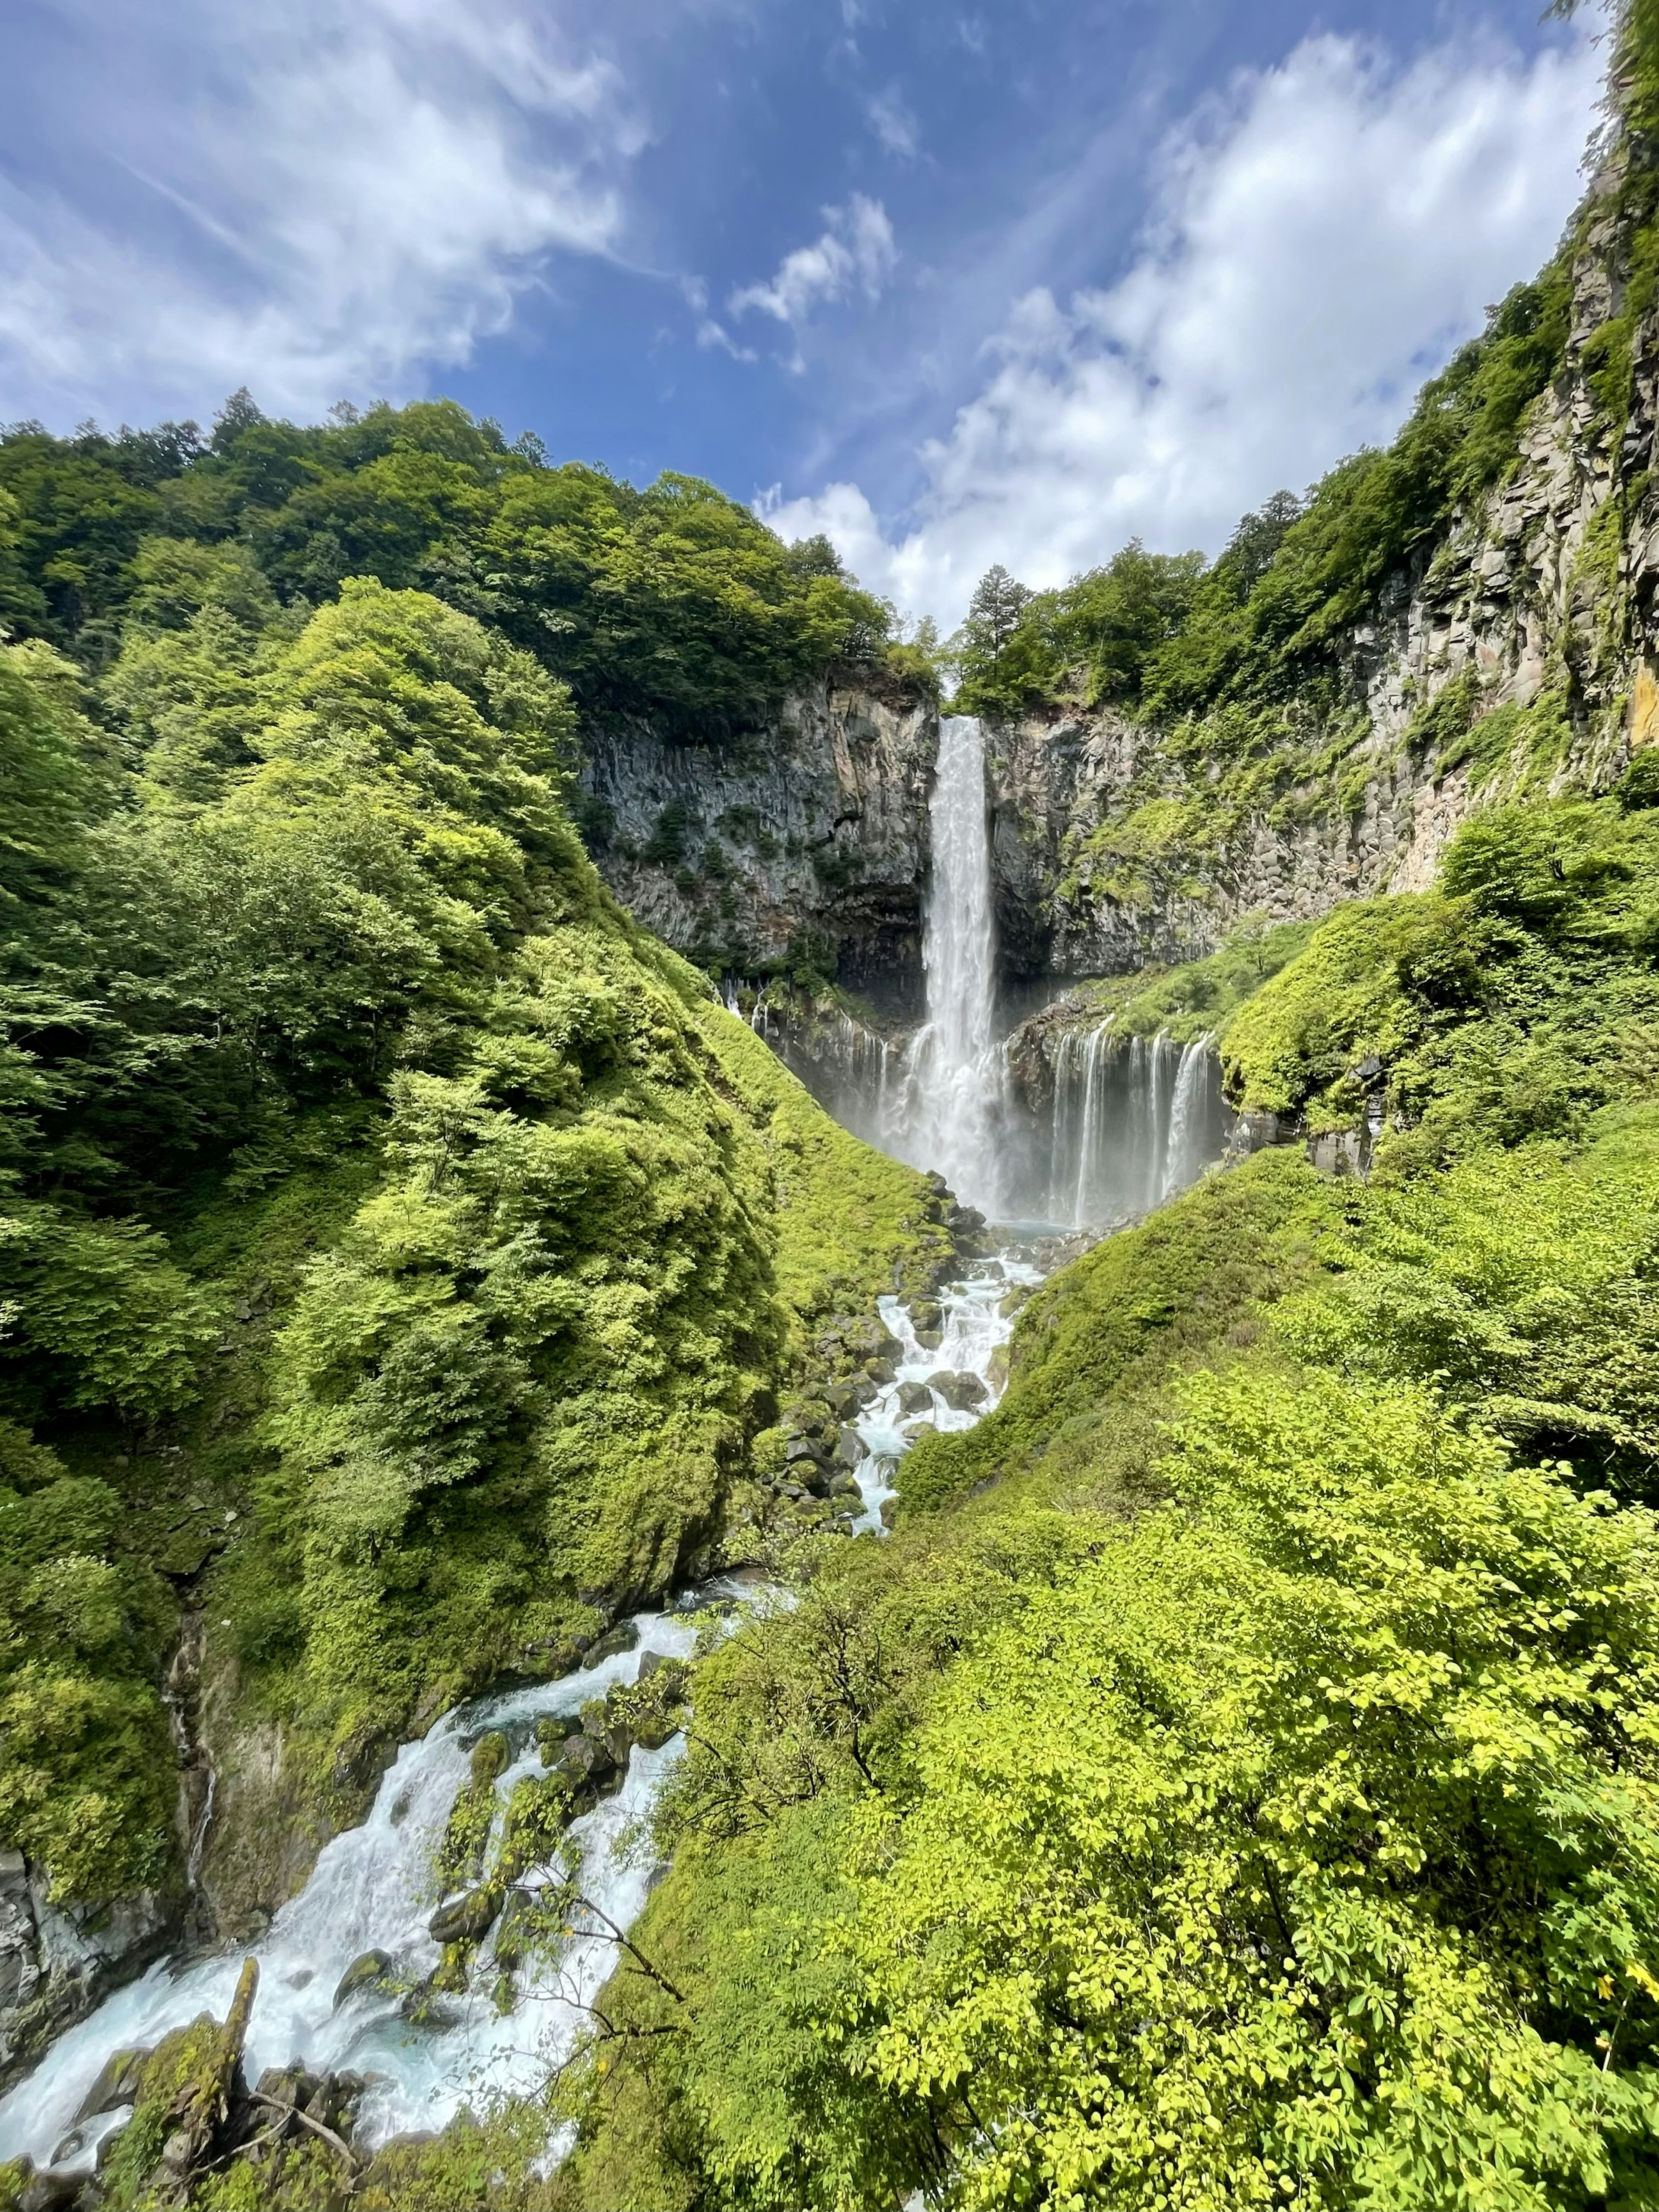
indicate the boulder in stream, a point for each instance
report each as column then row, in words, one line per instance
column 623, row 1637
column 965, row 1392
column 915, row 1398
column 464, row 1919
column 372, row 1970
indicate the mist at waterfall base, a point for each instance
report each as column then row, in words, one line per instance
column 1123, row 1122
column 374, row 1887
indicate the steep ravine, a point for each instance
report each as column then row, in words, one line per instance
column 355, row 1979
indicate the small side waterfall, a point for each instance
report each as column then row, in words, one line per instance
column 1133, row 1120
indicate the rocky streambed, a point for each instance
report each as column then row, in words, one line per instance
column 447, row 1951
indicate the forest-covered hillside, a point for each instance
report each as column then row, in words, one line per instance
column 1236, row 1780
column 400, row 1249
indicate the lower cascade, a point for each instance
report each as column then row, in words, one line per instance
column 342, row 1960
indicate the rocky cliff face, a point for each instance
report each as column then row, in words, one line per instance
column 1518, row 649
column 807, row 841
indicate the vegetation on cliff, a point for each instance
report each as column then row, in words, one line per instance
column 1235, row 1778
column 399, row 1243
column 672, row 602
column 1242, row 687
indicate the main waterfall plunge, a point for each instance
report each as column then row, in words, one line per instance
column 1114, row 1125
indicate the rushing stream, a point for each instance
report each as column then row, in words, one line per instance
column 373, row 1887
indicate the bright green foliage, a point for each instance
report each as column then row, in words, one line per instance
column 1194, row 1000
column 673, row 602
column 84, row 1756
column 1114, row 1324
column 1527, row 1284
column 537, row 1231
column 1301, row 1849
column 1234, row 1781
column 1512, row 1002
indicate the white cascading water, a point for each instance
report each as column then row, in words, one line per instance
column 1134, row 1121
column 373, row 1887
column 950, row 1110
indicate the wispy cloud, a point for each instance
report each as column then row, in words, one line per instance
column 711, row 334
column 1321, row 236
column 362, row 194
column 856, row 248
column 894, row 123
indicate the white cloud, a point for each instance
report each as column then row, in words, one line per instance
column 1322, row 235
column 713, row 334
column 334, row 200
column 894, row 123
column 856, row 246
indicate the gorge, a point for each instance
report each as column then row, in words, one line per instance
column 783, row 1426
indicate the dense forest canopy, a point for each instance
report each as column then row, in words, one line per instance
column 672, row 602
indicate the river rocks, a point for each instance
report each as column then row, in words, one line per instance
column 915, row 1398
column 584, row 1760
column 372, row 1970
column 881, row 1370
column 928, row 1321
column 465, row 1918
column 552, row 1732
column 516, row 1930
column 964, row 1391
column 623, row 1637
column 56, row 1961
column 996, row 1368
column 912, row 1430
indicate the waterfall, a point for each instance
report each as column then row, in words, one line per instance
column 952, row 1109
column 1179, row 1164
column 1133, row 1120
column 1088, row 1137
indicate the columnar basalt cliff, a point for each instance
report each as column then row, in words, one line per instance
column 1518, row 649
column 803, row 843
column 1514, row 648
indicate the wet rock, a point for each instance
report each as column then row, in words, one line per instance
column 881, row 1370
column 117, row 2083
column 849, row 1448
column 844, row 1487
column 889, row 1508
column 490, row 1757
column 516, row 1930
column 553, row 1732
column 44, row 2192
column 915, row 1398
column 927, row 1320
column 424, row 2005
column 584, row 1759
column 963, row 1391
column 464, row 1919
column 623, row 1637
column 996, row 1368
column 371, row 1970
column 912, row 1430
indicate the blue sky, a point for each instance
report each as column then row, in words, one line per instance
column 979, row 279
